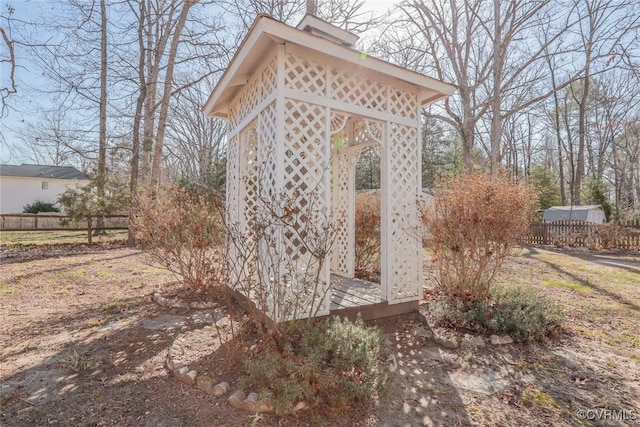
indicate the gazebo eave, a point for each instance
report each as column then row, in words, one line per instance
column 267, row 32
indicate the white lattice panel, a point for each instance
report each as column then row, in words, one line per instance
column 403, row 103
column 310, row 76
column 249, row 180
column 232, row 179
column 254, row 92
column 339, row 211
column 232, row 196
column 403, row 247
column 266, row 151
column 305, row 75
column 246, row 101
column 269, row 78
column 354, row 89
column 303, row 181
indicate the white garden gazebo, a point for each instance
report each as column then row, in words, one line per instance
column 301, row 104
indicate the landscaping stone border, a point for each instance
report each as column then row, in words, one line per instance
column 251, row 403
column 454, row 343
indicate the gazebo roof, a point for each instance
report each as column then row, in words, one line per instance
column 317, row 36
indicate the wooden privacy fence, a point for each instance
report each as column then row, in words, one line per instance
column 582, row 234
column 53, row 222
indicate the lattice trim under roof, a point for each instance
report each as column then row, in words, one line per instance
column 266, row 32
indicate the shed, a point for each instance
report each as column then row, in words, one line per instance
column 24, row 184
column 588, row 213
column 301, row 104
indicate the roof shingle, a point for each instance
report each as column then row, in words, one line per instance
column 40, row 171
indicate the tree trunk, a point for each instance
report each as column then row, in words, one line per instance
column 89, row 230
column 467, row 132
column 135, row 143
column 582, row 131
column 166, row 95
column 496, row 119
column 102, row 147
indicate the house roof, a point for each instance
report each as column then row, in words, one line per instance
column 572, row 213
column 41, row 171
column 576, row 208
column 266, row 32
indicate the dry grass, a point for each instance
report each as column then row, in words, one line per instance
column 10, row 239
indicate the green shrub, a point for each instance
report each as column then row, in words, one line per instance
column 336, row 364
column 521, row 312
column 524, row 314
column 40, row 206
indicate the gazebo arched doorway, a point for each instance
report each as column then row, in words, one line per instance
column 351, row 135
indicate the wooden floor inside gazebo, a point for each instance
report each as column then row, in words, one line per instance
column 352, row 296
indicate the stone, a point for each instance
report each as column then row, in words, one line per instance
column 421, row 331
column 264, row 405
column 184, row 375
column 300, row 406
column 203, row 317
column 218, row 314
column 201, row 304
column 393, row 364
column 237, row 400
column 178, row 304
column 480, row 380
column 175, row 350
column 205, row 383
column 500, row 340
column 476, row 341
column 251, row 402
column 164, row 321
column 159, row 299
column 118, row 325
column 221, row 389
column 446, row 342
column 431, row 355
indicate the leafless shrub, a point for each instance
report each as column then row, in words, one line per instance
column 473, row 225
column 367, row 250
column 184, row 231
column 279, row 256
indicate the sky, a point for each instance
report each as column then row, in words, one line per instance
column 25, row 101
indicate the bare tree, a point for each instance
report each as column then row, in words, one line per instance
column 176, row 39
column 140, row 14
column 166, row 92
column 53, row 140
column 603, row 32
column 196, row 143
column 491, row 54
column 101, row 176
column 8, row 87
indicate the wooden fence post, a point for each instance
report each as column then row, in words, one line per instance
column 89, row 231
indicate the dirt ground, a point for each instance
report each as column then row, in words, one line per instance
column 77, row 349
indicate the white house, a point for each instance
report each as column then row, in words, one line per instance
column 24, row 184
column 589, row 213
